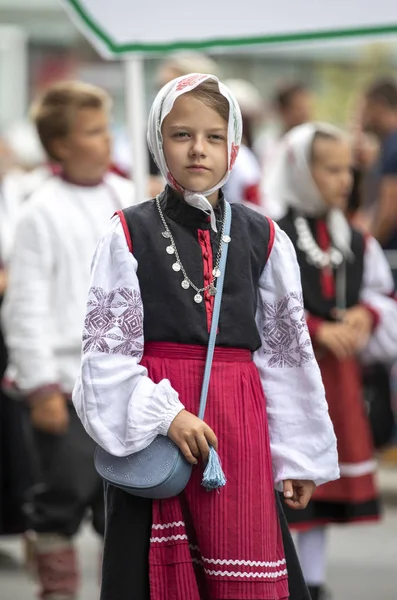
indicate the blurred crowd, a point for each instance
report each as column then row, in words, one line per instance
column 61, row 179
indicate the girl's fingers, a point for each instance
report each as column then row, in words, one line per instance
column 288, row 489
column 185, row 449
column 194, row 447
column 203, row 447
column 211, row 437
column 294, row 504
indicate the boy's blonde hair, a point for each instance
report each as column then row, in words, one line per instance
column 54, row 112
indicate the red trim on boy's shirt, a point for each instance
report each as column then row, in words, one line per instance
column 123, row 222
column 271, row 237
column 72, row 181
column 204, row 240
column 327, row 276
column 367, row 237
column 41, row 393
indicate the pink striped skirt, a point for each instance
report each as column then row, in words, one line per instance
column 226, row 544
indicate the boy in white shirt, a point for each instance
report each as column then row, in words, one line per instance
column 44, row 312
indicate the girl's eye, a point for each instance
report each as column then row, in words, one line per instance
column 180, row 134
column 217, row 137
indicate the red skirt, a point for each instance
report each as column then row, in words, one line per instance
column 353, row 497
column 343, row 387
column 226, row 544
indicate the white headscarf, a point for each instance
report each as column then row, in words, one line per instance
column 162, row 106
column 290, row 182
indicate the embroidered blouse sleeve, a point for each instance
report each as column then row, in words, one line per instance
column 377, row 294
column 121, row 408
column 302, row 439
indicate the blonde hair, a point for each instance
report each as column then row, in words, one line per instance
column 54, row 112
column 208, row 92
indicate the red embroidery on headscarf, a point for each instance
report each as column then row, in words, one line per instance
column 233, row 155
column 189, row 81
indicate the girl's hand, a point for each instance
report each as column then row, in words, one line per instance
column 339, row 338
column 192, row 436
column 360, row 320
column 297, row 493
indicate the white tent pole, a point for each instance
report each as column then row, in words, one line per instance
column 136, row 121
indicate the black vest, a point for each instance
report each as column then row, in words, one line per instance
column 315, row 301
column 170, row 312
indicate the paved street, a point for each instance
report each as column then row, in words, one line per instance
column 363, row 564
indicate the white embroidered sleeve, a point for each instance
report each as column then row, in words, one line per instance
column 302, row 439
column 378, row 293
column 121, row 408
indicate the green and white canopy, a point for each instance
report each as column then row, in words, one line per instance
column 122, row 27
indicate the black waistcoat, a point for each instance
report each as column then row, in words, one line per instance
column 315, row 301
column 170, row 312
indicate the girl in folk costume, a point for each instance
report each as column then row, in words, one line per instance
column 146, row 332
column 347, row 286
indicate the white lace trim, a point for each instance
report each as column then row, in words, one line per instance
column 170, row 538
column 267, row 575
column 169, row 525
column 245, row 563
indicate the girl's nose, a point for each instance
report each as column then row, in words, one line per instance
column 198, row 147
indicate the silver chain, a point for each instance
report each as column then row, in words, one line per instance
column 178, row 265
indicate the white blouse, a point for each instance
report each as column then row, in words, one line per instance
column 123, row 410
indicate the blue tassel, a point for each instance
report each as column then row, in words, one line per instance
column 213, row 477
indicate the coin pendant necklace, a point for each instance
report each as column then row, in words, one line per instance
column 177, row 266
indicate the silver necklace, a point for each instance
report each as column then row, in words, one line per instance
column 177, row 266
column 306, row 242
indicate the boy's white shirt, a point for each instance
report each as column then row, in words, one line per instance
column 49, row 277
column 123, row 410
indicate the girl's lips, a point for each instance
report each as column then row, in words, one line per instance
column 197, row 168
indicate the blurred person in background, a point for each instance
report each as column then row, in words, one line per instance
column 293, row 105
column 361, row 199
column 14, row 474
column 351, row 317
column 243, row 184
column 176, row 65
column 43, row 317
column 379, row 117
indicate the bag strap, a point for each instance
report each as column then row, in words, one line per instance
column 216, row 311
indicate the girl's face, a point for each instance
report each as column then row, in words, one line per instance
column 332, row 171
column 195, row 144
